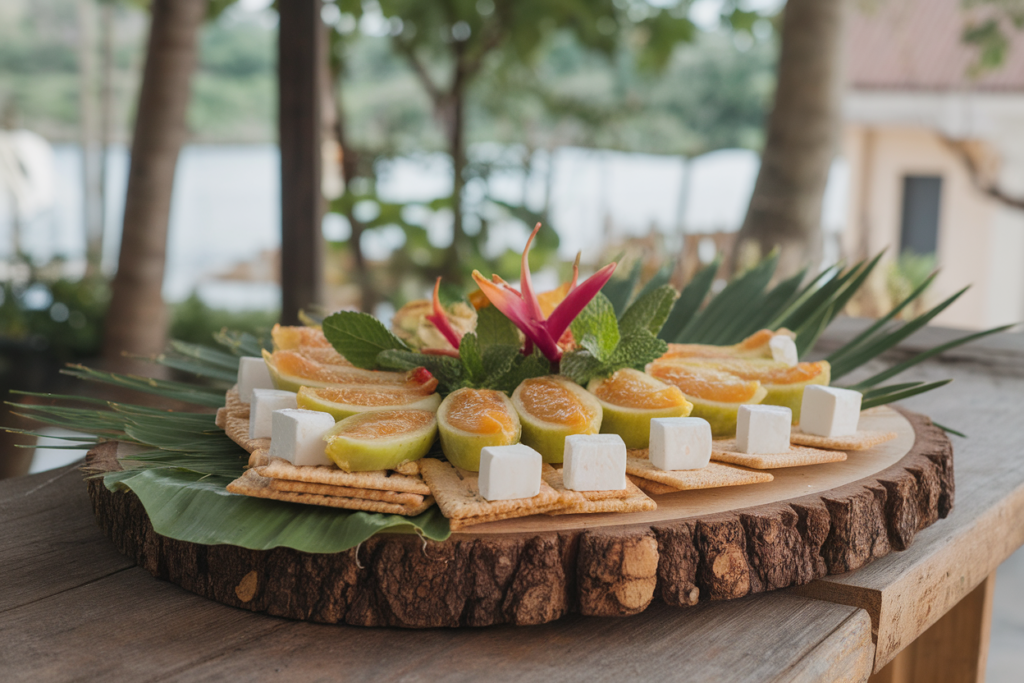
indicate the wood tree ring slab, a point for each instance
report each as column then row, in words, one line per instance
column 716, row 544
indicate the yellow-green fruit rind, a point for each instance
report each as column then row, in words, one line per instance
column 462, row 448
column 722, row 416
column 792, row 395
column 288, row 383
column 307, row 400
column 548, row 438
column 634, row 424
column 367, row 455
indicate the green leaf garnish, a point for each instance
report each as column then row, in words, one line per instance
column 360, row 338
column 596, row 328
column 650, row 310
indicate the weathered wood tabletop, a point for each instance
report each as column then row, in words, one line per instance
column 71, row 607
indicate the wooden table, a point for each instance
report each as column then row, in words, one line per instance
column 72, row 607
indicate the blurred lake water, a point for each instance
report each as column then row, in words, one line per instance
column 225, row 208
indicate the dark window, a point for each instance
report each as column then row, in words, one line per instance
column 919, row 232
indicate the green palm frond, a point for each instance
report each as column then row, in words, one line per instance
column 182, row 462
column 748, row 304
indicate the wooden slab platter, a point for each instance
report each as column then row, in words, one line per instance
column 716, row 544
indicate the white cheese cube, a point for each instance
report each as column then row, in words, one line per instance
column 265, row 402
column 763, row 429
column 509, row 472
column 680, row 443
column 783, row 350
column 252, row 374
column 594, row 462
column 828, row 411
column 298, row 436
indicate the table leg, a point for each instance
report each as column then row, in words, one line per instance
column 953, row 650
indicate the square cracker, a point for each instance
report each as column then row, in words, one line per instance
column 233, row 403
column 713, row 476
column 553, row 476
column 252, row 484
column 651, row 488
column 629, row 499
column 396, row 497
column 458, row 495
column 237, row 429
column 862, row 440
column 796, row 456
column 377, row 480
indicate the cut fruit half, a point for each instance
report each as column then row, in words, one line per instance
column 472, row 419
column 754, row 346
column 785, row 384
column 552, row 408
column 295, row 336
column 308, row 342
column 630, row 399
column 345, row 401
column 716, row 395
column 291, row 371
column 381, row 440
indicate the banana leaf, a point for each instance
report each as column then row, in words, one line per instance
column 193, row 507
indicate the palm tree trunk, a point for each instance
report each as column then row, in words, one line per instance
column 803, row 133
column 137, row 320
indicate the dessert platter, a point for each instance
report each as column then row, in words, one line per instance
column 513, row 457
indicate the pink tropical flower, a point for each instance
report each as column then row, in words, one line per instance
column 440, row 319
column 524, row 310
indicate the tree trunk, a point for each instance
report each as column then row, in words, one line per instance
column 106, row 120
column 453, row 111
column 137, row 320
column 803, row 132
column 300, row 59
column 92, row 208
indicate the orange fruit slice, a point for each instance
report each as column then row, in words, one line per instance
column 552, row 408
column 471, row 419
column 754, row 346
column 346, row 400
column 381, row 440
column 785, row 384
column 292, row 370
column 630, row 399
column 716, row 395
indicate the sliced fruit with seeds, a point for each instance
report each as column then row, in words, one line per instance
column 630, row 399
column 348, row 400
column 471, row 419
column 381, row 440
column 552, row 408
column 715, row 395
column 785, row 384
column 291, row 370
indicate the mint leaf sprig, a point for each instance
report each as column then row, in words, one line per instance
column 489, row 358
column 360, row 338
column 606, row 343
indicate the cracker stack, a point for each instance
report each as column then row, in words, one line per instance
column 655, row 482
column 726, row 450
column 629, row 499
column 378, row 491
column 458, row 495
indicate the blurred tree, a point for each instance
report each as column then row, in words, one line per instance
column 137, row 319
column 448, row 42
column 803, row 132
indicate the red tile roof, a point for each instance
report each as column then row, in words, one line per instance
column 918, row 45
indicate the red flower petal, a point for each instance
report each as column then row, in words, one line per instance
column 440, row 318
